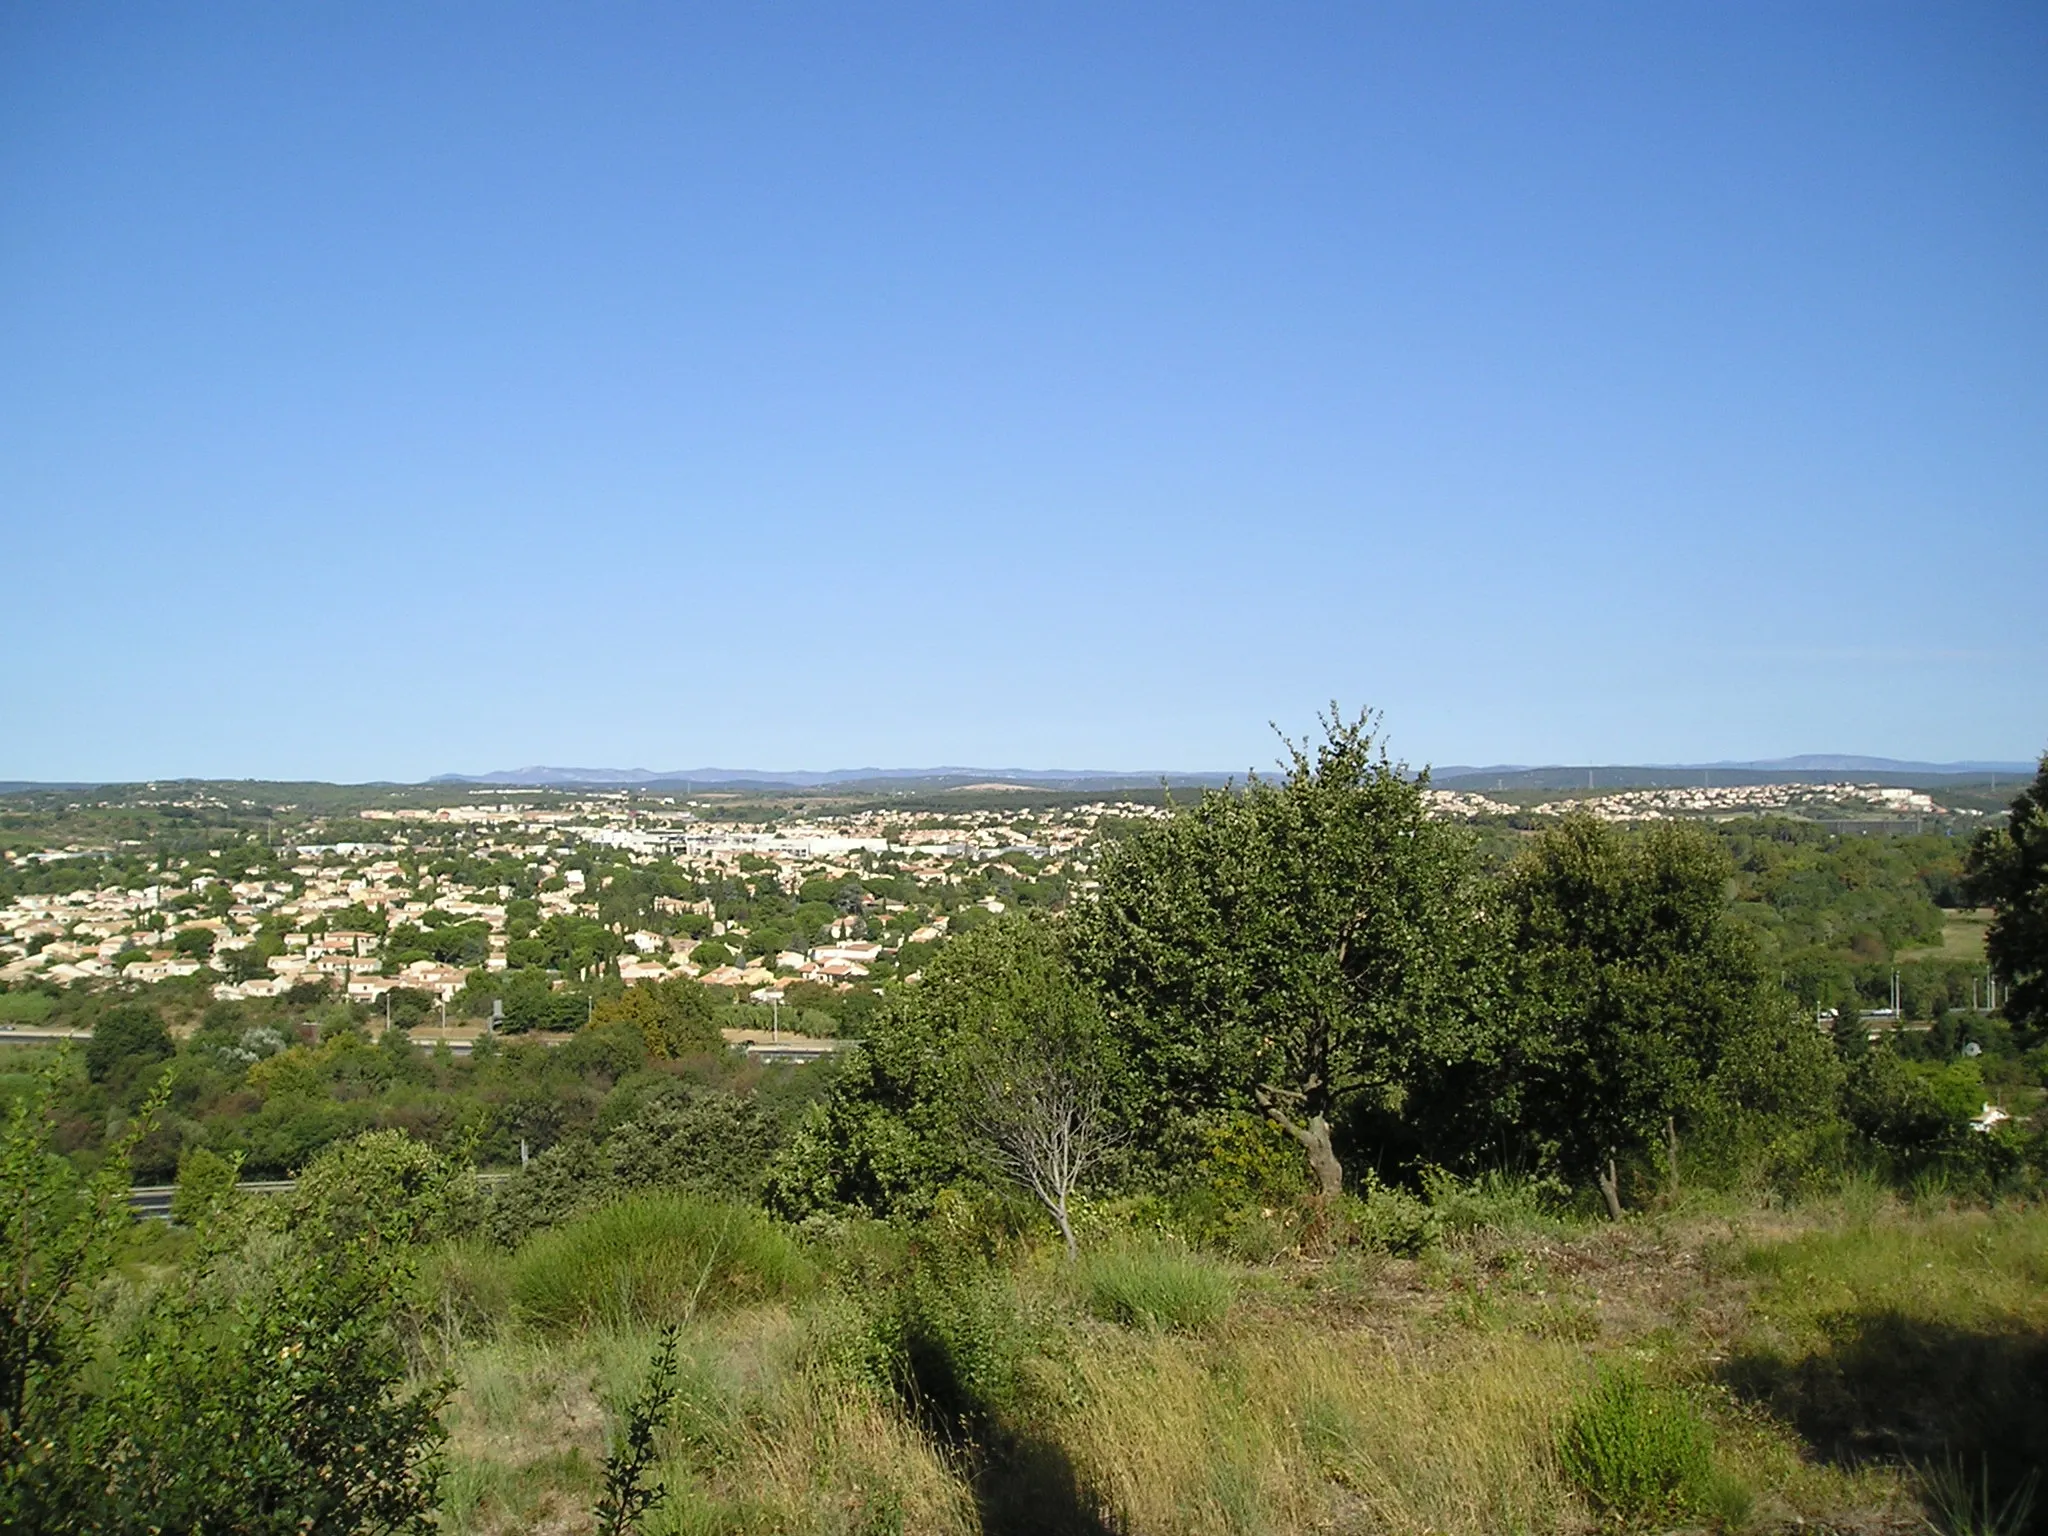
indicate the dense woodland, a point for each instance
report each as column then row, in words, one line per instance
column 1296, row 1020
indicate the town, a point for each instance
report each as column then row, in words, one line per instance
column 430, row 901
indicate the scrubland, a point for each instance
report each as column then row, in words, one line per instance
column 1855, row 1362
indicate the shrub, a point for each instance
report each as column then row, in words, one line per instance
column 708, row 1143
column 1494, row 1201
column 1156, row 1287
column 1637, row 1451
column 1383, row 1216
column 651, row 1260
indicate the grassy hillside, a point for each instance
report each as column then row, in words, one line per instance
column 1842, row 1364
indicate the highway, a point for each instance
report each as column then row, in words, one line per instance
column 154, row 1200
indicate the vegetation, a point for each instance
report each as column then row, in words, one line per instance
column 1326, row 1167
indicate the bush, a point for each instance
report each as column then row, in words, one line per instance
column 262, row 1389
column 1156, row 1287
column 651, row 1260
column 709, row 1143
column 1493, row 1202
column 1393, row 1219
column 1637, row 1451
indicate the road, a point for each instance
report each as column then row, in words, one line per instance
column 154, row 1200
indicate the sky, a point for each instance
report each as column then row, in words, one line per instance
column 389, row 390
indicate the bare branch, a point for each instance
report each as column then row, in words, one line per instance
column 1040, row 1116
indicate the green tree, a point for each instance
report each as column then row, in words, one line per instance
column 126, row 1036
column 900, row 1123
column 710, row 954
column 2008, row 871
column 1303, row 946
column 1642, row 1008
column 196, row 942
column 674, row 1017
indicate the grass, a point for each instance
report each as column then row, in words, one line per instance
column 1855, row 1363
column 1914, row 1338
column 1962, row 938
column 650, row 1260
column 1156, row 1286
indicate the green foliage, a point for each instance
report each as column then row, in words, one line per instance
column 262, row 1389
column 673, row 1017
column 26, row 1007
column 125, row 1038
column 1639, row 1452
column 895, row 1130
column 1155, row 1286
column 1640, row 1002
column 710, row 954
column 206, row 1181
column 530, row 999
column 1823, row 906
column 1494, row 1201
column 197, row 942
column 709, row 1143
column 451, row 943
column 57, row 1237
column 628, row 1495
column 652, row 1259
column 2008, row 870
column 944, row 1330
column 1391, row 1218
column 1302, row 945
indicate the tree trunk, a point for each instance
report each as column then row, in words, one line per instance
column 1671, row 1152
column 1610, row 1190
column 1314, row 1138
column 1322, row 1161
column 1066, row 1226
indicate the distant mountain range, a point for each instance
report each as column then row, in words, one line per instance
column 1506, row 775
column 1811, row 768
column 637, row 778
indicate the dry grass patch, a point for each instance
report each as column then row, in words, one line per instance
column 1290, row 1428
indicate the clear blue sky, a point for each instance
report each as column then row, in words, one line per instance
column 386, row 390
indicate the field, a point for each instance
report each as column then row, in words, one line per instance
column 1962, row 938
column 1857, row 1365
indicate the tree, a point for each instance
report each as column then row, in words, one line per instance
column 2008, row 871
column 1642, row 1008
column 196, row 942
column 1040, row 1112
column 1304, row 946
column 674, row 1017
column 899, row 1123
column 125, row 1036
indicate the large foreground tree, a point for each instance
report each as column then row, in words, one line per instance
column 1297, row 946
